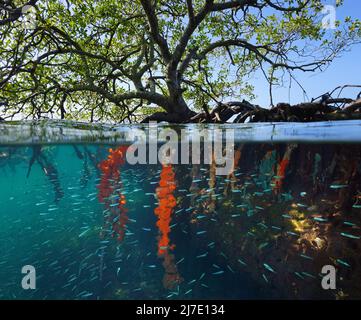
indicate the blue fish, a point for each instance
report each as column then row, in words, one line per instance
column 338, row 186
column 306, row 257
column 202, row 255
column 268, row 267
column 320, row 219
column 264, row 277
column 201, row 232
column 242, row 262
column 351, row 236
column 218, row 272
column 189, row 291
column 339, row 261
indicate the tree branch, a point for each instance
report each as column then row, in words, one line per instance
column 155, row 30
column 16, row 13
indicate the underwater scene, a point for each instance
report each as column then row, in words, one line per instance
column 96, row 227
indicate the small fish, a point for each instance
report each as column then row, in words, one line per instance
column 53, row 263
column 152, row 266
column 223, row 255
column 85, row 295
column 242, row 262
column 250, row 213
column 349, row 223
column 202, row 255
column 230, row 269
column 320, row 219
column 276, row 228
column 339, row 261
column 201, row 232
column 351, row 236
column 268, row 267
column 338, row 186
column 189, row 291
column 147, row 229
column 263, row 245
column 218, row 272
column 91, row 194
column 308, row 275
column 40, row 203
column 306, row 257
column 192, row 281
column 202, row 276
column 181, row 260
column 264, row 277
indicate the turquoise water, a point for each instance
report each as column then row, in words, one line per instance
column 251, row 235
column 60, row 235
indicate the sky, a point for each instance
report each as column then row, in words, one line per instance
column 343, row 70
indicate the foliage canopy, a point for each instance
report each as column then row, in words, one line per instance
column 110, row 60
